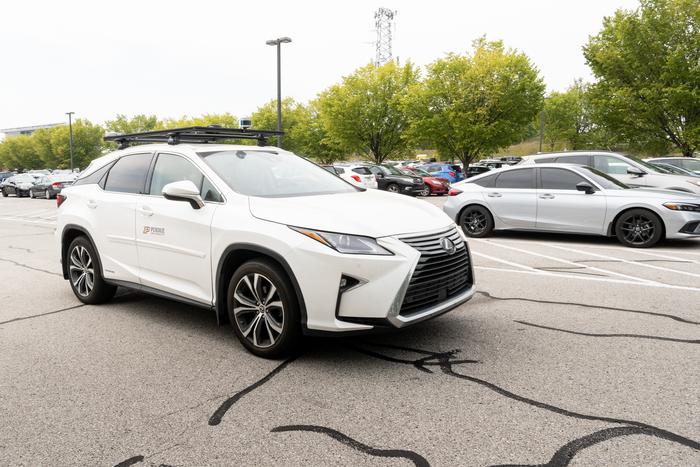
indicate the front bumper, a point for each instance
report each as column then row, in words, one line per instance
column 412, row 189
column 682, row 224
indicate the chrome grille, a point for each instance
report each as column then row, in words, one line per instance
column 438, row 275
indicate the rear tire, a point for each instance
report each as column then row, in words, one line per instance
column 4, row 193
column 85, row 273
column 47, row 194
column 393, row 188
column 31, row 194
column 476, row 221
column 263, row 309
column 639, row 228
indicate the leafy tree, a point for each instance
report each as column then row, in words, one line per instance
column 567, row 117
column 52, row 145
column 472, row 105
column 647, row 62
column 295, row 118
column 138, row 123
column 364, row 113
column 317, row 143
column 18, row 152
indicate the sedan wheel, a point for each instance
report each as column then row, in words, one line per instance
column 476, row 221
column 47, row 194
column 263, row 309
column 638, row 228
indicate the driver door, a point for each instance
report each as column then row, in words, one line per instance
column 173, row 238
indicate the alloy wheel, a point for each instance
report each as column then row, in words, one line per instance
column 258, row 310
column 638, row 229
column 47, row 194
column 393, row 188
column 81, row 270
column 425, row 192
column 475, row 222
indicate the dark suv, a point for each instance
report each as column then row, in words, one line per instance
column 390, row 178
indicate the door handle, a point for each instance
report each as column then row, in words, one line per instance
column 547, row 196
column 146, row 211
column 91, row 204
column 494, row 195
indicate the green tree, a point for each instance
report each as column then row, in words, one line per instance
column 138, row 123
column 18, row 152
column 295, row 118
column 52, row 145
column 316, row 142
column 647, row 62
column 472, row 105
column 567, row 117
column 365, row 113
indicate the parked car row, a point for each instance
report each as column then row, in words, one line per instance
column 36, row 183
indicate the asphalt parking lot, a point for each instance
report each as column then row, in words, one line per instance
column 575, row 350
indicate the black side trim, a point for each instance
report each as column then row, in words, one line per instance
column 220, row 305
column 690, row 228
column 159, row 293
column 64, row 266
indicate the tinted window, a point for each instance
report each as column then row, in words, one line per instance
column 362, row 171
column 610, row 165
column 339, row 170
column 94, row 177
column 581, row 160
column 170, row 168
column 128, row 174
column 545, row 160
column 604, row 180
column 559, row 179
column 690, row 164
column 515, row 179
column 487, row 182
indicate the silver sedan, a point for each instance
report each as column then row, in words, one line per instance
column 571, row 199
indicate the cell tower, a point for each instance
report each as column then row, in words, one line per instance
column 382, row 21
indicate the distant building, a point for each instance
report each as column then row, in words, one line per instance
column 26, row 130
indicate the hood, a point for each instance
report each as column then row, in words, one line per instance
column 372, row 213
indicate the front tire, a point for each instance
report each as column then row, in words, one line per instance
column 639, row 228
column 31, row 194
column 85, row 273
column 263, row 309
column 47, row 194
column 425, row 191
column 392, row 188
column 476, row 221
column 4, row 193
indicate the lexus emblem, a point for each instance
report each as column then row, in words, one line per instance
column 448, row 246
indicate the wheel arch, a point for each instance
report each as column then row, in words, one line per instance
column 611, row 226
column 70, row 233
column 474, row 203
column 232, row 258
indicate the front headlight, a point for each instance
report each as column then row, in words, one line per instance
column 344, row 243
column 682, row 207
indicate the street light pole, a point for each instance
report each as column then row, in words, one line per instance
column 70, row 137
column 278, row 43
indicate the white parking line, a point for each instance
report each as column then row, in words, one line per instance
column 616, row 259
column 20, row 220
column 564, row 261
column 588, row 278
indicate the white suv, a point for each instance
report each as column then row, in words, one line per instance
column 356, row 174
column 266, row 239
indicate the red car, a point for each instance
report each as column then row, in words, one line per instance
column 433, row 185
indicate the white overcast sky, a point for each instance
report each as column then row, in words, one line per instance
column 174, row 58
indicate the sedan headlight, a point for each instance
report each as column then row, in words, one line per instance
column 345, row 243
column 682, row 207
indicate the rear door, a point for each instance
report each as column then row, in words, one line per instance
column 173, row 238
column 562, row 208
column 513, row 199
column 114, row 210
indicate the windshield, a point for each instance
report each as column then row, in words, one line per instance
column 646, row 165
column 390, row 170
column 270, row 175
column 604, row 180
column 421, row 172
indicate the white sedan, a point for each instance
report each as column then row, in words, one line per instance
column 571, row 199
column 358, row 175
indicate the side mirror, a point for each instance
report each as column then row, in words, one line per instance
column 635, row 171
column 585, row 187
column 184, row 190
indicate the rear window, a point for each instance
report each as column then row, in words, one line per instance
column 545, row 160
column 362, row 171
column 486, row 182
column 95, row 177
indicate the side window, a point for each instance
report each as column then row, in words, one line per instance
column 128, row 174
column 559, row 179
column 339, row 170
column 545, row 160
column 362, row 171
column 94, row 177
column 521, row 179
column 610, row 165
column 170, row 168
column 581, row 160
column 487, row 182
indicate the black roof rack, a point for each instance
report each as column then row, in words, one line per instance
column 193, row 134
